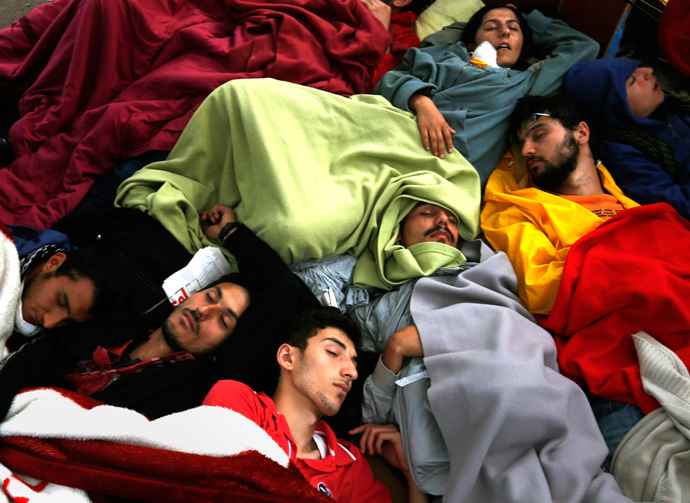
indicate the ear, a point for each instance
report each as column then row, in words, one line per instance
column 54, row 262
column 582, row 133
column 286, row 356
column 400, row 3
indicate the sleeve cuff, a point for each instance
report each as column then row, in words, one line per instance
column 383, row 378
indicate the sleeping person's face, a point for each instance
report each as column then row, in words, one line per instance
column 501, row 28
column 644, row 93
column 429, row 223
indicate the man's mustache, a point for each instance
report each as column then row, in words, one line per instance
column 440, row 228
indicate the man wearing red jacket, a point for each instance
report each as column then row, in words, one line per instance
column 317, row 367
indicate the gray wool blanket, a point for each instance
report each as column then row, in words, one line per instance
column 516, row 429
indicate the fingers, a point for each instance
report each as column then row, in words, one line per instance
column 437, row 144
column 217, row 214
column 448, row 136
column 375, row 435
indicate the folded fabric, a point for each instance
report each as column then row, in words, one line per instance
column 311, row 173
column 97, row 82
column 630, row 274
column 202, row 454
column 650, row 464
column 10, row 286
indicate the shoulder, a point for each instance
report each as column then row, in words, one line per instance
column 231, row 395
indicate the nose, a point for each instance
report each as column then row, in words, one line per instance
column 207, row 310
column 504, row 30
column 53, row 319
column 527, row 149
column 441, row 218
column 349, row 370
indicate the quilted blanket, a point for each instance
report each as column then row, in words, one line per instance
column 99, row 81
column 312, row 174
column 631, row 274
column 199, row 455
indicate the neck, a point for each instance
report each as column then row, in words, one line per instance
column 154, row 347
column 584, row 181
column 301, row 416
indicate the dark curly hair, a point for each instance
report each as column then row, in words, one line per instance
column 307, row 324
column 469, row 34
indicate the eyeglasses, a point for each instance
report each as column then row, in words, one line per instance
column 531, row 118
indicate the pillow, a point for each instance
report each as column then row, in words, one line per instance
column 444, row 12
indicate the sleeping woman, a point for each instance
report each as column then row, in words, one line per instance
column 460, row 105
column 644, row 135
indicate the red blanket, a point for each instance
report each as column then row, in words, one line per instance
column 99, row 81
column 60, row 437
column 630, row 274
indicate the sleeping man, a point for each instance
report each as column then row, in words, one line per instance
column 473, row 385
column 602, row 267
column 165, row 362
column 318, row 364
column 55, row 286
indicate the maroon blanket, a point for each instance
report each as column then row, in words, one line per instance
column 630, row 274
column 99, row 81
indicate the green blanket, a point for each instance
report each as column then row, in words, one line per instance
column 311, row 173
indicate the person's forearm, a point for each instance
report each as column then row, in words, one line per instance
column 402, row 344
column 418, row 100
column 414, row 494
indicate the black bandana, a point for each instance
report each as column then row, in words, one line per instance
column 39, row 255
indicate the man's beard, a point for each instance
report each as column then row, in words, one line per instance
column 171, row 338
column 553, row 174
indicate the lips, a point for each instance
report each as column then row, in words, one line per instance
column 442, row 234
column 343, row 387
column 531, row 164
column 503, row 46
column 188, row 320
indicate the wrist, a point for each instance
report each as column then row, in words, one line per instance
column 228, row 229
column 392, row 358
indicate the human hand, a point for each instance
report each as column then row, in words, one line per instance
column 213, row 220
column 383, row 439
column 380, row 10
column 436, row 133
column 405, row 343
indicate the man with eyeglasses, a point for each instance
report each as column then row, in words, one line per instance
column 537, row 212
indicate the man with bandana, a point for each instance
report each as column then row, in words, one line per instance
column 61, row 285
column 536, row 214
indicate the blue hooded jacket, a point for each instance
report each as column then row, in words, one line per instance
column 599, row 86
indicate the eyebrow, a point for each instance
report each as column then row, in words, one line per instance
column 220, row 297
column 535, row 125
column 498, row 21
column 342, row 345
